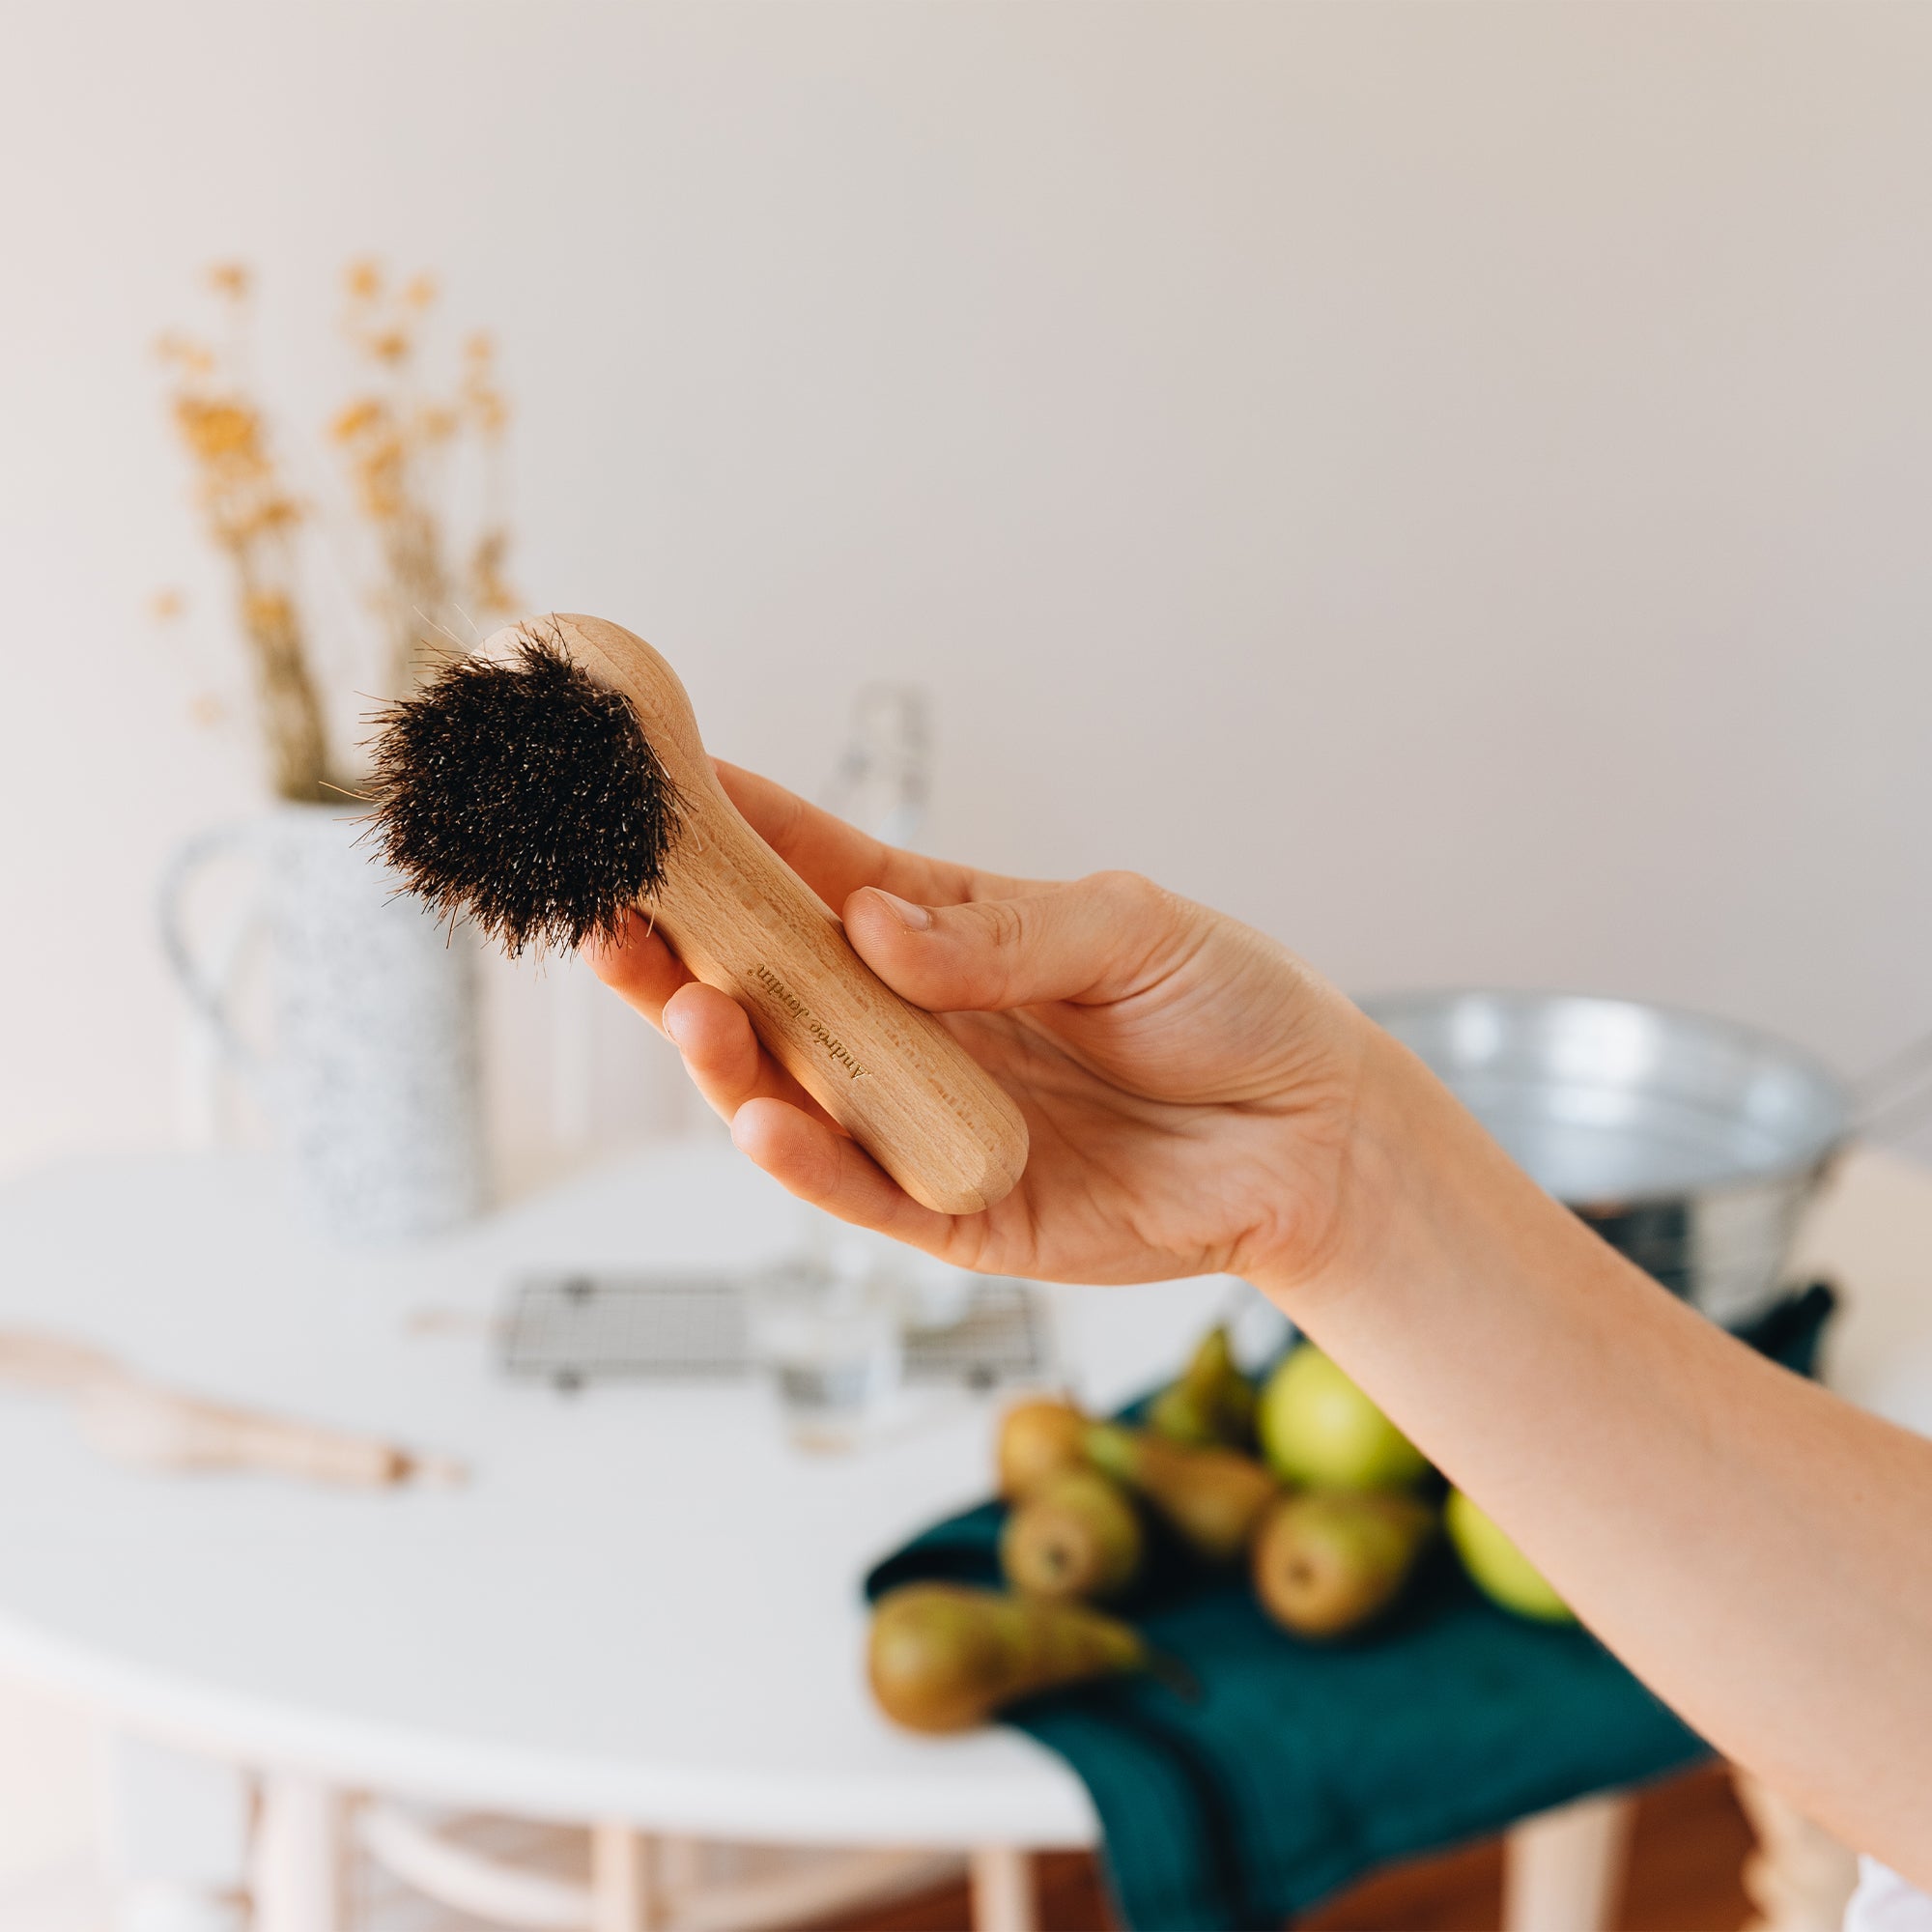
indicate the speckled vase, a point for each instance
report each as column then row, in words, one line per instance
column 372, row 1077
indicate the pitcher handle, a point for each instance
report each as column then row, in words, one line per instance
column 205, row 992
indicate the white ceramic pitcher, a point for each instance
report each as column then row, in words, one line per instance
column 371, row 1078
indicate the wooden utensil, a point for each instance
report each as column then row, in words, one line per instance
column 142, row 1422
column 744, row 921
column 38, row 1360
column 136, row 1422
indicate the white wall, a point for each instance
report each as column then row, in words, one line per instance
column 1450, row 483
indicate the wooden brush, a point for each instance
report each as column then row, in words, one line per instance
column 555, row 781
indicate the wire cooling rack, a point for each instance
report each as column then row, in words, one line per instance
column 1002, row 1337
column 570, row 1329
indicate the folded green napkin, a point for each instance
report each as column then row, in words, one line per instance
column 1302, row 1766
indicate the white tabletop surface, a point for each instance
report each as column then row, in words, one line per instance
column 644, row 1607
column 646, row 1604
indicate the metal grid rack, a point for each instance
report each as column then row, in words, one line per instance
column 573, row 1328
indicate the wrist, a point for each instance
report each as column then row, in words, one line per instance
column 1424, row 1199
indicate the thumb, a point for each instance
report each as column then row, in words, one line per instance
column 1093, row 940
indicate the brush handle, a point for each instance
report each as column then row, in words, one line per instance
column 744, row 921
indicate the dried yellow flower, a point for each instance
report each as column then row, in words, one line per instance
column 236, row 525
column 367, row 413
column 486, row 409
column 277, row 513
column 266, row 611
column 164, row 606
column 396, row 447
column 490, row 591
column 379, row 480
column 216, row 429
column 184, row 352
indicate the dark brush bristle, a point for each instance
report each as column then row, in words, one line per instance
column 526, row 794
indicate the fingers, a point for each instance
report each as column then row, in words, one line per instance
column 841, row 864
column 638, row 965
column 710, row 1031
column 836, row 858
column 1097, row 940
column 721, row 1053
column 776, row 1122
column 833, row 1171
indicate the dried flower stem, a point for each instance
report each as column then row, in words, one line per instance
column 286, row 692
column 252, row 516
column 396, row 440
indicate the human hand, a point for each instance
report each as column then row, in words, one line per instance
column 1190, row 1089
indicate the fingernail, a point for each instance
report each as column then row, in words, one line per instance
column 914, row 918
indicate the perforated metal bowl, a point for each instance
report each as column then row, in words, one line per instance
column 1689, row 1143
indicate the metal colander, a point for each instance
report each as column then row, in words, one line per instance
column 1692, row 1144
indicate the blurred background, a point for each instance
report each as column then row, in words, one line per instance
column 1447, row 484
column 1443, row 484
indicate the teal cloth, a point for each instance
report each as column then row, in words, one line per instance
column 1301, row 1766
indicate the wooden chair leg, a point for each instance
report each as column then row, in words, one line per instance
column 1799, row 1878
column 1563, row 1872
column 623, row 1881
column 1003, row 1891
column 680, row 1865
column 298, row 1860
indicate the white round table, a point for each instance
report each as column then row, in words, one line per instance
column 642, row 1611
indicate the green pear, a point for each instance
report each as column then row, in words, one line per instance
column 1497, row 1567
column 1211, row 1498
column 1075, row 1535
column 1038, row 1439
column 1318, row 1428
column 1213, row 1401
column 1327, row 1561
column 1182, row 1416
column 944, row 1658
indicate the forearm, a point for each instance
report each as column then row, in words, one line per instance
column 1198, row 1100
column 1757, row 1550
